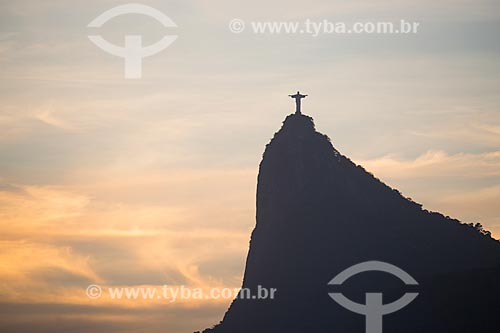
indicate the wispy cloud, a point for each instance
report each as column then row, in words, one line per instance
column 436, row 163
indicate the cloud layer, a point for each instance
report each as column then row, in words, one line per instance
column 152, row 182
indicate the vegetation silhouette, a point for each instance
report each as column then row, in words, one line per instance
column 318, row 213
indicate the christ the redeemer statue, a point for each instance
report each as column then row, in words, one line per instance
column 297, row 97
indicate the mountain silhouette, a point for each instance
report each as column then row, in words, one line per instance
column 319, row 213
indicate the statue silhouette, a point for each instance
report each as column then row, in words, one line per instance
column 297, row 98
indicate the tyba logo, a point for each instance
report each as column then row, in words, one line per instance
column 133, row 52
column 373, row 309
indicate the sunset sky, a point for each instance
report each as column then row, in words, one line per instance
column 152, row 181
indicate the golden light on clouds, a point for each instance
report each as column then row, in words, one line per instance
column 57, row 240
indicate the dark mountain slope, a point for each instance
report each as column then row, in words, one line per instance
column 318, row 213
